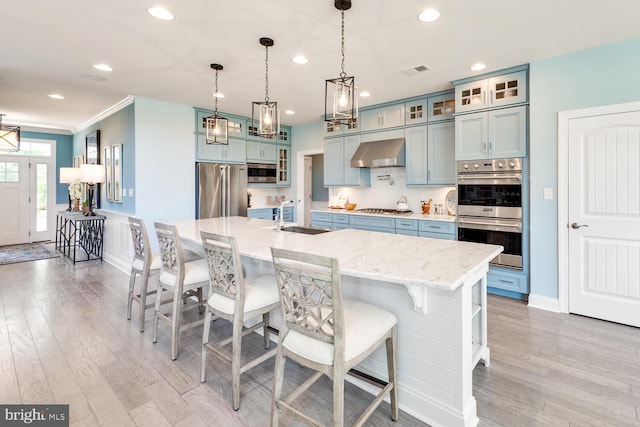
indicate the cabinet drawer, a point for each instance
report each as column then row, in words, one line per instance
column 406, row 224
column 322, row 216
column 437, row 227
column 373, row 222
column 507, row 281
column 341, row 218
column 339, row 226
column 287, row 217
column 320, row 224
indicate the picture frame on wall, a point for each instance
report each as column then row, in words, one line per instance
column 92, row 148
column 106, row 159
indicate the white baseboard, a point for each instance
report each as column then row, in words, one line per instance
column 544, row 303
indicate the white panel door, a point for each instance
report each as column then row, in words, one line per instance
column 14, row 194
column 604, row 217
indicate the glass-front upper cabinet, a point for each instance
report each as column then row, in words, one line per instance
column 441, row 107
column 492, row 92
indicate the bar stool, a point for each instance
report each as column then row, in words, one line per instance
column 145, row 264
column 325, row 333
column 182, row 279
column 235, row 298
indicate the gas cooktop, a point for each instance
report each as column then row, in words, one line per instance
column 383, row 211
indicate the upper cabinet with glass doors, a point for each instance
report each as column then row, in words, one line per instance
column 492, row 92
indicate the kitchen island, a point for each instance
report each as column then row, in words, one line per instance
column 436, row 288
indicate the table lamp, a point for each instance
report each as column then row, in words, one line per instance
column 92, row 175
column 69, row 176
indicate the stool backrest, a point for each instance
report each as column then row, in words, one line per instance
column 310, row 294
column 225, row 267
column 170, row 250
column 141, row 246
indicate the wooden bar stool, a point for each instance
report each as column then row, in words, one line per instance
column 323, row 332
column 182, row 279
column 235, row 298
column 145, row 264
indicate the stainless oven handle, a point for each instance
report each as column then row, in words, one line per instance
column 489, row 176
column 495, row 226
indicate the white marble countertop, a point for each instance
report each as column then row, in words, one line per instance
column 414, row 215
column 406, row 260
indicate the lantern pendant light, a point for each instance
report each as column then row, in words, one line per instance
column 217, row 127
column 266, row 112
column 341, row 94
column 9, row 137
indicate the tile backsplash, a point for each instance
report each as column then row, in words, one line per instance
column 387, row 185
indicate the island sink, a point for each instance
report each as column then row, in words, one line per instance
column 305, row 230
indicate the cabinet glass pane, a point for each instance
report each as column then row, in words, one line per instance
column 472, row 96
column 233, row 127
column 415, row 112
column 507, row 89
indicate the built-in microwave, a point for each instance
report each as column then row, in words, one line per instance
column 261, row 173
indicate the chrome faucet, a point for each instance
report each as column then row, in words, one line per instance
column 280, row 216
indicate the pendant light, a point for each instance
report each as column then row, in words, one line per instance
column 217, row 127
column 266, row 112
column 9, row 137
column 341, row 94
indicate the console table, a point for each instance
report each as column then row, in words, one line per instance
column 79, row 237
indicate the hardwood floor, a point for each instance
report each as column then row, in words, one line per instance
column 64, row 338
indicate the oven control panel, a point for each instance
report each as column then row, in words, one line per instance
column 490, row 165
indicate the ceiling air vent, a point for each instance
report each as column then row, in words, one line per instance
column 415, row 70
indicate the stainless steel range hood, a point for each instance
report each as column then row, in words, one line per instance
column 379, row 154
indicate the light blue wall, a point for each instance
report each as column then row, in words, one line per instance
column 117, row 128
column 165, row 162
column 305, row 137
column 599, row 76
column 319, row 193
column 64, row 150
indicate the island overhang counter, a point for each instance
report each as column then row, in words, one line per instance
column 436, row 289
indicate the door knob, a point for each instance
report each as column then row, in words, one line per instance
column 575, row 225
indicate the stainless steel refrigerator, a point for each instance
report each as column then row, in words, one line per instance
column 222, row 190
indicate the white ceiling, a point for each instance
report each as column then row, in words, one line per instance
column 48, row 47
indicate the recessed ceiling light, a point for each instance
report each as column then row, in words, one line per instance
column 160, row 13
column 478, row 67
column 218, row 95
column 300, row 59
column 102, row 67
column 290, row 112
column 364, row 94
column 428, row 15
column 56, row 96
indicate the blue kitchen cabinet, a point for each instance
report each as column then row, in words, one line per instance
column 234, row 152
column 283, row 164
column 236, row 125
column 441, row 107
column 265, row 213
column 437, row 229
column 407, row 227
column 337, row 163
column 502, row 281
column 430, row 154
column 261, row 152
column 321, row 220
column 493, row 92
column 492, row 134
column 382, row 117
column 373, row 223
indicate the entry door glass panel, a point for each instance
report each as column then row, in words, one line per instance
column 42, row 197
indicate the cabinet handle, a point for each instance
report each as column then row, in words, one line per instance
column 435, row 226
column 490, row 147
column 506, row 281
column 484, row 148
column 428, row 176
column 491, row 96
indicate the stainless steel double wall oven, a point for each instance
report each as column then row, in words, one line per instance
column 490, row 206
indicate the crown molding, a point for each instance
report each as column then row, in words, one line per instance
column 106, row 113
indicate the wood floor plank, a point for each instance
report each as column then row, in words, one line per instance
column 148, row 414
column 168, row 401
column 65, row 388
column 107, row 408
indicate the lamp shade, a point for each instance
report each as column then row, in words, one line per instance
column 69, row 175
column 92, row 174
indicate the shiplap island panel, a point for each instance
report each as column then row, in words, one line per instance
column 436, row 288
